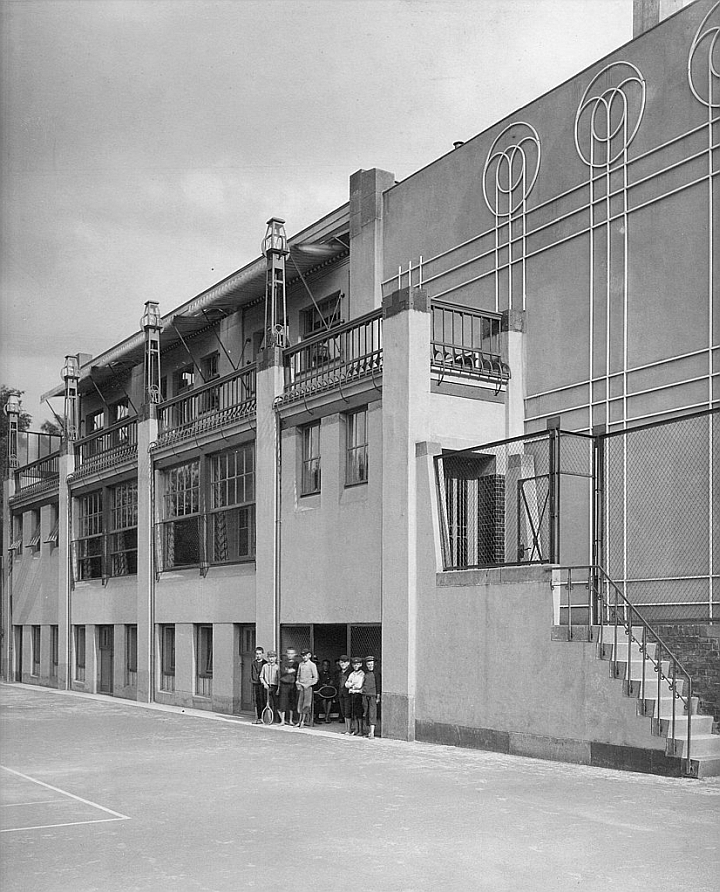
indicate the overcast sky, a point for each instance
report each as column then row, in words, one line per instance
column 145, row 143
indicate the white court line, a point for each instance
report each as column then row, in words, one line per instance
column 116, row 814
column 71, row 824
column 36, row 802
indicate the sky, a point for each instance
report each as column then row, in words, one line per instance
column 145, row 143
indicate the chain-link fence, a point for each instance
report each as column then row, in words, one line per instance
column 329, row 641
column 525, row 500
column 661, row 509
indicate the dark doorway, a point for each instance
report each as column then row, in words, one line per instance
column 247, row 655
column 106, row 644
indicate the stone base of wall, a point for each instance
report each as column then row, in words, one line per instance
column 580, row 752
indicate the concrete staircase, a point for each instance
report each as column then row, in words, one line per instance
column 664, row 705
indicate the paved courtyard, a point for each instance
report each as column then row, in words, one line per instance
column 98, row 794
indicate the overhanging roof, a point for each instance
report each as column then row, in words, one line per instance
column 324, row 240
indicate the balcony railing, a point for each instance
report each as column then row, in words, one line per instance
column 216, row 404
column 344, row 354
column 39, row 476
column 466, row 343
column 107, row 448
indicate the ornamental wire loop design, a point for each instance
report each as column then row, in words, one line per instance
column 509, row 175
column 704, row 60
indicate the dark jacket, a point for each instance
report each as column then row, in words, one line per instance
column 372, row 684
column 288, row 671
column 255, row 670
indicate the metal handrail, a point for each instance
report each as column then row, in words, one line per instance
column 601, row 609
column 119, row 441
column 45, row 471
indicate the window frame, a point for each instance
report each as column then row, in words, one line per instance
column 123, row 522
column 36, row 649
column 184, row 379
column 167, row 656
column 232, row 484
column 54, row 650
column 80, row 642
column 89, row 546
column 204, row 657
column 130, row 650
column 33, row 544
column 310, row 459
column 356, row 449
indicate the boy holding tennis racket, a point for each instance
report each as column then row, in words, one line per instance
column 256, row 668
column 307, row 677
column 269, row 677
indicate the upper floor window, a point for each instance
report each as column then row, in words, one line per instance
column 322, row 316
column 94, row 422
column 182, row 490
column 89, row 542
column 210, row 366
column 310, row 474
column 182, row 534
column 34, row 540
column 16, row 543
column 119, row 411
column 122, row 539
column 184, row 378
column 232, row 519
column 52, row 536
column 356, row 464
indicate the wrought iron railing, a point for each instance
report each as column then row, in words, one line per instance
column 466, row 342
column 32, row 446
column 38, row 476
column 330, row 359
column 107, row 448
column 215, row 404
column 660, row 679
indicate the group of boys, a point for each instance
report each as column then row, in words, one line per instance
column 289, row 686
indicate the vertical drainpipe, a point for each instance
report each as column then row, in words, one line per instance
column 71, row 413
column 275, row 249
column 151, row 324
column 12, row 410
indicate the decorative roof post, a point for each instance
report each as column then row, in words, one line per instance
column 71, row 376
column 151, row 323
column 275, row 249
column 12, row 410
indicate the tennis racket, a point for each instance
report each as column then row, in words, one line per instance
column 268, row 716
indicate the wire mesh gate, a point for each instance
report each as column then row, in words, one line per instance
column 642, row 503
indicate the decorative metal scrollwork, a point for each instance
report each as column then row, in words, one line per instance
column 511, row 169
column 704, row 60
column 609, row 114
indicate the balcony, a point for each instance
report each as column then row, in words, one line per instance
column 217, row 404
column 107, row 448
column 345, row 354
column 466, row 344
column 40, row 476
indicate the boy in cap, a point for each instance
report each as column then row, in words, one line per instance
column 269, row 678
column 371, row 694
column 307, row 676
column 354, row 686
column 256, row 668
column 288, row 677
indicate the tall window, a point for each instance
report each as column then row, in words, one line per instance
column 122, row 541
column 204, row 660
column 184, row 378
column 310, row 476
column 356, row 466
column 119, row 410
column 322, row 316
column 36, row 638
column 52, row 536
column 79, row 653
column 130, row 654
column 89, row 544
column 54, row 651
column 209, row 364
column 167, row 657
column 34, row 540
column 182, row 527
column 16, row 543
column 94, row 422
column 232, row 518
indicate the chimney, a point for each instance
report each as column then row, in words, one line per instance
column 648, row 13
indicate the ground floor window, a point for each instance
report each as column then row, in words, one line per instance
column 328, row 641
column 54, row 651
column 131, row 655
column 36, row 641
column 167, row 658
column 204, row 660
column 79, row 653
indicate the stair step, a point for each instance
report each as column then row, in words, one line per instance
column 702, row 746
column 701, row 724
